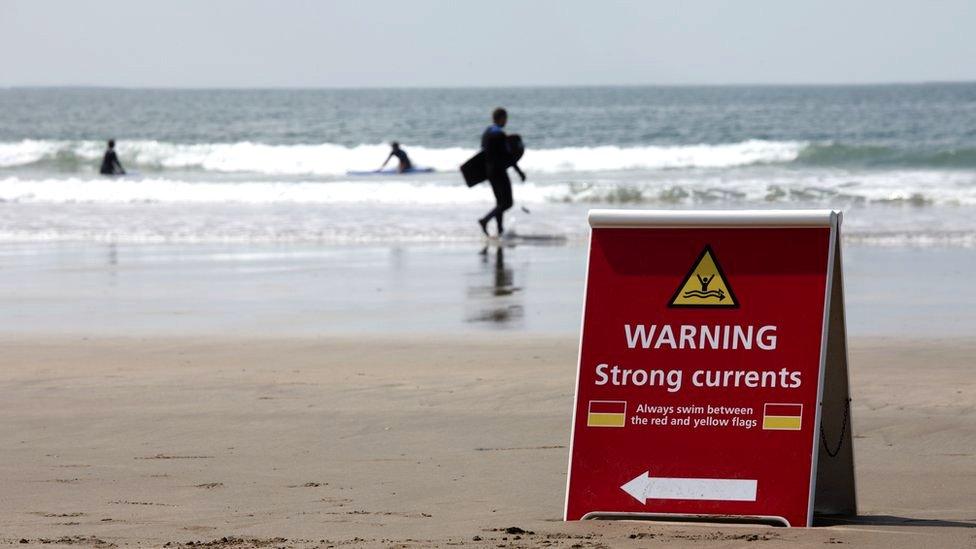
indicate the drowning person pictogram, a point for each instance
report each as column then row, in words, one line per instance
column 704, row 292
column 705, row 285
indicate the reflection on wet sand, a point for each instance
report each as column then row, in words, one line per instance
column 496, row 301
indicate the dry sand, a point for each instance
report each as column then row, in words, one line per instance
column 410, row 442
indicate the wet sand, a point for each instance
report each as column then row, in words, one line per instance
column 177, row 290
column 407, row 442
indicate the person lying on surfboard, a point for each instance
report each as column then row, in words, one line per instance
column 401, row 155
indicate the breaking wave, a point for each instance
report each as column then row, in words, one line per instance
column 329, row 159
column 910, row 188
column 868, row 156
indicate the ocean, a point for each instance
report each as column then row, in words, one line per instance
column 270, row 166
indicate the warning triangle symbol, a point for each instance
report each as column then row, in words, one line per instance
column 705, row 285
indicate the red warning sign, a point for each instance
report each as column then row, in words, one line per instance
column 709, row 342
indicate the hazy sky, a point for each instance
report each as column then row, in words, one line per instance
column 201, row 43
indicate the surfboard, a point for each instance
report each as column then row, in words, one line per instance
column 511, row 238
column 475, row 171
column 391, row 171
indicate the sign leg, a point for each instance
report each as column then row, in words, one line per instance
column 835, row 492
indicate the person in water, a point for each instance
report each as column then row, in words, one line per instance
column 498, row 158
column 110, row 162
column 405, row 164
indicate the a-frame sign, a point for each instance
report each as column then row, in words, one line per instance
column 712, row 377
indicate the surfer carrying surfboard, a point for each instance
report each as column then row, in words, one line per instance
column 110, row 162
column 405, row 165
column 498, row 157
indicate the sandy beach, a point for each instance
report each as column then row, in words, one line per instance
column 407, row 442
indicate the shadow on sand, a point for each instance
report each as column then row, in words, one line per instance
column 889, row 520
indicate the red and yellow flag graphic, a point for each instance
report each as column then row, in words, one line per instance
column 782, row 417
column 606, row 413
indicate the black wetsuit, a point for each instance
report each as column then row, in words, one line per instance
column 110, row 164
column 497, row 160
column 403, row 158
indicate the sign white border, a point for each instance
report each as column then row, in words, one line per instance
column 649, row 219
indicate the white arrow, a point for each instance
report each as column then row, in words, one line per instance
column 644, row 487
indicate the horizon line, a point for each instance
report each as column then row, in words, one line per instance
column 491, row 87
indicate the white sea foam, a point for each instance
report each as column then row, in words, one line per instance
column 592, row 159
column 328, row 159
column 379, row 223
column 126, row 190
column 27, row 151
column 893, row 207
column 920, row 188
